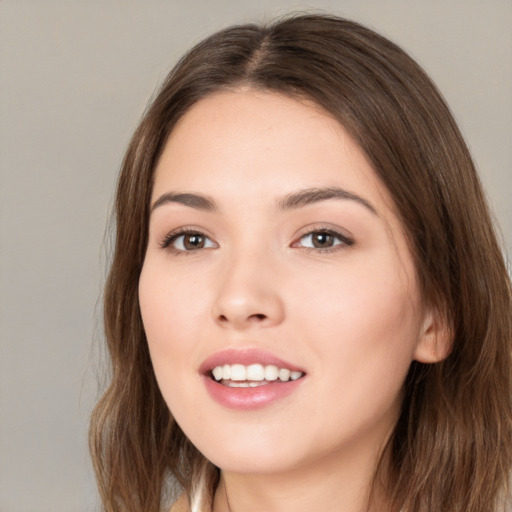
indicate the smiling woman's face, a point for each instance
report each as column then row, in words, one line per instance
column 274, row 253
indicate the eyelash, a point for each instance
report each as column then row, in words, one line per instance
column 175, row 235
column 344, row 241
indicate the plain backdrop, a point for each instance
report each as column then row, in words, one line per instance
column 75, row 77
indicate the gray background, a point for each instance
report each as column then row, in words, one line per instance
column 75, row 77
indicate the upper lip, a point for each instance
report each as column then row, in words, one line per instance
column 246, row 357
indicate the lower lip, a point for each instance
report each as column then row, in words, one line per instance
column 246, row 399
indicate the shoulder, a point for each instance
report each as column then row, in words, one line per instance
column 181, row 505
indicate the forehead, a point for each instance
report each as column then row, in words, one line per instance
column 266, row 142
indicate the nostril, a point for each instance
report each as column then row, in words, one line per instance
column 255, row 317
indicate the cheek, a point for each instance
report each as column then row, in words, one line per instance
column 170, row 302
column 374, row 294
column 170, row 309
column 364, row 326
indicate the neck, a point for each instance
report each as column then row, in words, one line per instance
column 327, row 486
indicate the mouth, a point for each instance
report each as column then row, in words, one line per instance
column 250, row 379
column 252, row 375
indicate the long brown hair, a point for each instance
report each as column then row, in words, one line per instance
column 452, row 446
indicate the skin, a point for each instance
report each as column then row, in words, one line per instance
column 350, row 316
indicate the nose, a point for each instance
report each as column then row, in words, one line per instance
column 248, row 296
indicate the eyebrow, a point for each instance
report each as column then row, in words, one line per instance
column 196, row 201
column 291, row 201
column 315, row 195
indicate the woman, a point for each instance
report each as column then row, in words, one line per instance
column 307, row 307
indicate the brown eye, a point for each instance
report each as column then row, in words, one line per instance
column 323, row 239
column 188, row 241
column 193, row 241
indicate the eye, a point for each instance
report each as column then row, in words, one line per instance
column 187, row 241
column 323, row 239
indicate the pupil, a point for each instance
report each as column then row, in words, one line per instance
column 322, row 240
column 193, row 242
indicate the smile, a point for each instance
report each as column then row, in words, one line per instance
column 253, row 375
column 247, row 379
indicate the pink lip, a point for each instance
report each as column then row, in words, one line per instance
column 245, row 399
column 246, row 357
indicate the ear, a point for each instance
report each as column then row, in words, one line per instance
column 436, row 339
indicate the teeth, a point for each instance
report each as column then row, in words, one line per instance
column 218, row 373
column 271, row 372
column 246, row 384
column 238, row 372
column 284, row 374
column 239, row 375
column 255, row 372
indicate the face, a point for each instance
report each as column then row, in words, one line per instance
column 278, row 293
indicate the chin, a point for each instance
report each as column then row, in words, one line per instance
column 252, row 463
column 248, row 453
